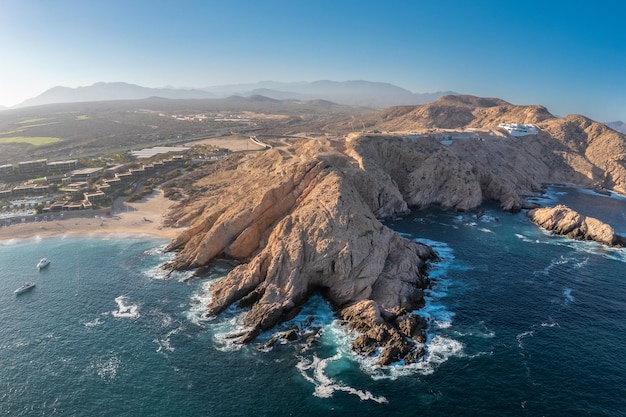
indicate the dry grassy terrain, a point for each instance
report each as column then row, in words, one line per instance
column 97, row 128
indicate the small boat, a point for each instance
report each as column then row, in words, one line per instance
column 25, row 287
column 44, row 262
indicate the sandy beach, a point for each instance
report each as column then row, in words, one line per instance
column 141, row 217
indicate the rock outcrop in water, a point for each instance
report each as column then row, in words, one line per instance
column 297, row 221
column 563, row 220
column 304, row 218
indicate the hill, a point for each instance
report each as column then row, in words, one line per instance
column 304, row 218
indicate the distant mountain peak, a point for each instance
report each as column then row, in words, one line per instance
column 105, row 91
column 617, row 125
column 354, row 92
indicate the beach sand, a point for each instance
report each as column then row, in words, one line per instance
column 141, row 217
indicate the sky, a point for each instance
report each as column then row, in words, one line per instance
column 569, row 56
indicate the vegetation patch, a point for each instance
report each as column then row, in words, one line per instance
column 31, row 121
column 24, row 128
column 35, row 140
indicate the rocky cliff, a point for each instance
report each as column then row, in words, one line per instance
column 296, row 220
column 563, row 220
column 304, row 218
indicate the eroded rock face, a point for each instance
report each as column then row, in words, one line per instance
column 301, row 226
column 304, row 218
column 564, row 221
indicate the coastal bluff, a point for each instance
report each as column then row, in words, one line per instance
column 305, row 218
column 563, row 220
column 295, row 219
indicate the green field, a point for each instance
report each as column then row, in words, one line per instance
column 37, row 141
column 30, row 121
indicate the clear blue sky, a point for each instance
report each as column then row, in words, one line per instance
column 567, row 55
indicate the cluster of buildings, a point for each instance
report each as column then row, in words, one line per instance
column 36, row 168
column 219, row 117
column 83, row 187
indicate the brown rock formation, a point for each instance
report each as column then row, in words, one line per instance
column 303, row 218
column 565, row 221
column 493, row 166
column 301, row 226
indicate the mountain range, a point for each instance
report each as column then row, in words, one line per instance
column 617, row 125
column 354, row 93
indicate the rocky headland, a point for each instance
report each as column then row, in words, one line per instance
column 563, row 220
column 305, row 218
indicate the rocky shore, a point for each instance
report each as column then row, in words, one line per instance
column 304, row 218
column 563, row 220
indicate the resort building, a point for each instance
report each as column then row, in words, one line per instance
column 6, row 171
column 519, row 129
column 30, row 190
column 95, row 197
column 151, row 152
column 62, row 166
column 38, row 167
column 84, row 174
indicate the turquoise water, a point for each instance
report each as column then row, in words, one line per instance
column 521, row 324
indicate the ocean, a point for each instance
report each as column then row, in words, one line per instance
column 522, row 323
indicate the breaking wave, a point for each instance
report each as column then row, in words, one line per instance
column 130, row 311
column 314, row 371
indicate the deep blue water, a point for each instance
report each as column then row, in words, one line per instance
column 522, row 324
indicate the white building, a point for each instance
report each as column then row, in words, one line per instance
column 519, row 129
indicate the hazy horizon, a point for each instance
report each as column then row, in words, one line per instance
column 564, row 56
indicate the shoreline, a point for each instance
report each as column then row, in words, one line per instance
column 142, row 217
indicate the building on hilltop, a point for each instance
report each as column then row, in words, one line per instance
column 519, row 129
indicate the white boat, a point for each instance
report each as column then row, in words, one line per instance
column 44, row 262
column 24, row 287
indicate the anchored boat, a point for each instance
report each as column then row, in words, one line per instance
column 25, row 287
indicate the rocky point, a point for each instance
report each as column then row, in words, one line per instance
column 304, row 218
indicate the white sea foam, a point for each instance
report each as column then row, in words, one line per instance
column 520, row 337
column 93, row 323
column 199, row 301
column 582, row 263
column 106, row 367
column 164, row 343
column 567, row 293
column 526, row 239
column 590, row 247
column 613, row 195
column 159, row 251
column 157, row 272
column 481, row 331
column 438, row 350
column 487, row 218
column 125, row 311
column 227, row 332
column 313, row 371
column 562, row 260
